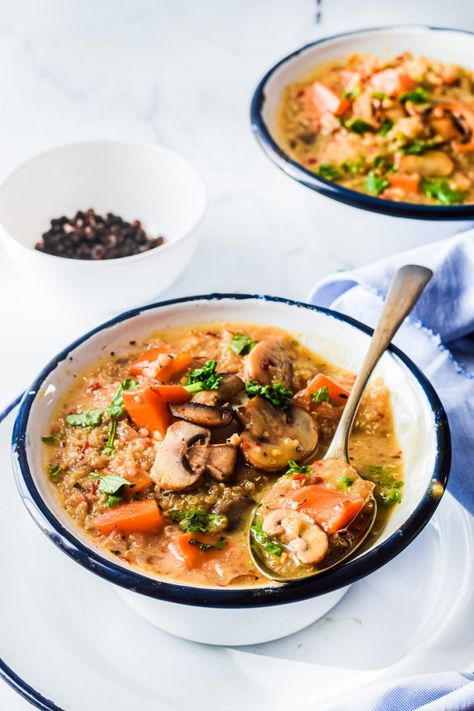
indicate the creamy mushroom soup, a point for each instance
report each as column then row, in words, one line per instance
column 161, row 453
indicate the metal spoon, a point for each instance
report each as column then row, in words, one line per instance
column 405, row 290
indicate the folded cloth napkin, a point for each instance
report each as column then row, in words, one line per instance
column 439, row 338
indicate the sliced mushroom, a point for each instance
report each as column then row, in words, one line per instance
column 270, row 361
column 305, row 539
column 217, row 459
column 234, row 509
column 202, row 415
column 171, row 469
column 431, row 163
column 230, row 386
column 272, row 437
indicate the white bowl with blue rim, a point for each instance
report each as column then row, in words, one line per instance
column 140, row 181
column 359, row 228
column 239, row 615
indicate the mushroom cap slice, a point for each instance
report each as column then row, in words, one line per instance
column 202, row 415
column 301, row 536
column 218, row 460
column 230, row 386
column 171, row 469
column 272, row 437
column 270, row 361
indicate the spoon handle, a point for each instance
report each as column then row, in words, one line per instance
column 405, row 290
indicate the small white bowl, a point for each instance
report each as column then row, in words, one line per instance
column 356, row 227
column 145, row 182
column 239, row 615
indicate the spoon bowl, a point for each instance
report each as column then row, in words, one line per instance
column 406, row 287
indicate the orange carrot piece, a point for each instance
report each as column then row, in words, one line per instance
column 174, row 367
column 146, row 358
column 193, row 556
column 140, row 480
column 337, row 393
column 409, row 182
column 136, row 517
column 147, row 409
column 332, row 510
column 324, row 100
column 175, row 394
column 392, row 82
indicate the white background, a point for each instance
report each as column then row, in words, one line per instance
column 179, row 73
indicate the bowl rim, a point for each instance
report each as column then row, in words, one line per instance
column 330, row 189
column 214, row 597
column 99, row 263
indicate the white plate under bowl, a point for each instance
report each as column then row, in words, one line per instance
column 69, row 642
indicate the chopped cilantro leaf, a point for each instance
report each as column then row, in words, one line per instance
column 294, row 468
column 375, row 184
column 416, row 147
column 278, row 394
column 218, row 545
column 322, row 395
column 380, row 95
column 91, row 418
column 268, row 544
column 112, row 486
column 441, row 190
column 345, row 482
column 115, row 412
column 385, row 127
column 359, row 126
column 353, row 93
column 417, row 96
column 354, row 167
column 204, row 378
column 329, row 171
column 241, row 344
column 54, row 471
column 50, row 439
column 195, row 521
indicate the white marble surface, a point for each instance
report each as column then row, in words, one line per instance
column 178, row 73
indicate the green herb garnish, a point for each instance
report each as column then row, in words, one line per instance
column 359, row 126
column 112, row 486
column 115, row 412
column 354, row 167
column 54, row 471
column 416, row 147
column 241, row 344
column 91, row 418
column 380, row 95
column 329, row 171
column 375, row 184
column 440, row 189
column 417, row 96
column 294, row 468
column 204, row 378
column 353, row 93
column 345, row 482
column 322, row 395
column 218, row 545
column 278, row 394
column 387, row 483
column 385, row 127
column 195, row 521
column 268, row 544
column 50, row 439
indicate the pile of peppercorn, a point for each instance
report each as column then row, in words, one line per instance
column 91, row 236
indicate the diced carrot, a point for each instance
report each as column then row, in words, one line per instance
column 407, row 182
column 324, row 100
column 140, row 480
column 392, row 82
column 174, row 367
column 332, row 510
column 147, row 409
column 135, row 517
column 146, row 358
column 192, row 555
column 337, row 393
column 173, row 393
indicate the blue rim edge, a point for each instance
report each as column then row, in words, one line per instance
column 234, row 598
column 332, row 190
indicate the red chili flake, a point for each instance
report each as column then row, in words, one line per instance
column 245, row 445
column 93, row 387
column 300, row 93
column 312, row 161
column 122, row 557
column 211, row 333
column 316, row 480
column 86, row 445
column 94, row 487
column 299, row 477
column 318, row 464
